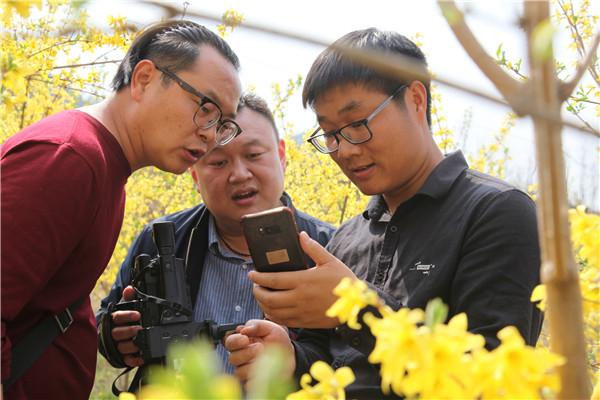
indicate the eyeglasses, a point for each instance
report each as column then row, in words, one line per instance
column 208, row 113
column 356, row 132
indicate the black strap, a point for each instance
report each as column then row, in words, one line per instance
column 32, row 346
column 116, row 391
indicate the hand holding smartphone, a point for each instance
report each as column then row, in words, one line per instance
column 272, row 238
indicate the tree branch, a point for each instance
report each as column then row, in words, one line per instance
column 579, row 117
column 571, row 21
column 90, row 64
column 70, row 41
column 567, row 87
column 70, row 88
column 392, row 65
column 510, row 88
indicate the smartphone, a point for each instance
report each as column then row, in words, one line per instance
column 272, row 238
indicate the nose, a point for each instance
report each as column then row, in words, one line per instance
column 239, row 172
column 347, row 149
column 207, row 135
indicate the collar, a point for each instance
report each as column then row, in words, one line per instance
column 213, row 236
column 437, row 185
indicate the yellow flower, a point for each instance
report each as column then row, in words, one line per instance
column 515, row 370
column 21, row 6
column 160, row 392
column 127, row 396
column 397, row 344
column 330, row 384
column 539, row 294
column 584, row 233
column 354, row 295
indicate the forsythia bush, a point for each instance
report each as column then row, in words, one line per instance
column 51, row 60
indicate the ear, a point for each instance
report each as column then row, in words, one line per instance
column 141, row 77
column 416, row 99
column 194, row 174
column 281, row 151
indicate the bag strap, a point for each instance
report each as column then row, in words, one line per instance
column 32, row 346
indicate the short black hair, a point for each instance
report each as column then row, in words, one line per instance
column 171, row 44
column 259, row 105
column 332, row 68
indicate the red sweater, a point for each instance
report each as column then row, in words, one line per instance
column 63, row 196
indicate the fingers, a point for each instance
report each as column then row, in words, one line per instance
column 127, row 348
column 259, row 328
column 125, row 317
column 124, row 333
column 285, row 316
column 314, row 250
column 236, row 341
column 243, row 372
column 133, row 361
column 275, row 280
column 121, row 333
column 245, row 355
column 243, row 352
column 275, row 299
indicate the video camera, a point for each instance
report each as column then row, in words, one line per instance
column 164, row 302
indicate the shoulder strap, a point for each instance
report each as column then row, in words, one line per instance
column 196, row 251
column 32, row 346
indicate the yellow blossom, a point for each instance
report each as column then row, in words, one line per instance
column 160, row 392
column 330, row 384
column 397, row 344
column 539, row 294
column 354, row 295
column 515, row 370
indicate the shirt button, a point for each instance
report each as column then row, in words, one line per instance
column 238, row 308
column 336, row 365
column 355, row 341
column 244, row 266
column 394, row 228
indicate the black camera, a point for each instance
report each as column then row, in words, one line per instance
column 163, row 300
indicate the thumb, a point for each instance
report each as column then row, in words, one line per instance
column 258, row 328
column 128, row 293
column 314, row 250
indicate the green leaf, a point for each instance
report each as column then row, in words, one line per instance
column 436, row 312
column 542, row 41
column 197, row 363
column 269, row 379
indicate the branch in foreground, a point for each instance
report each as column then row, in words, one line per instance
column 395, row 66
column 510, row 88
column 567, row 87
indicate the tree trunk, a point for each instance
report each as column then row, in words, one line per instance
column 559, row 271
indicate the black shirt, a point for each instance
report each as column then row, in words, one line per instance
column 465, row 237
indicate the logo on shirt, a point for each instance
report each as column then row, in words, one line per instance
column 423, row 268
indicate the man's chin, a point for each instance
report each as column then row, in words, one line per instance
column 365, row 188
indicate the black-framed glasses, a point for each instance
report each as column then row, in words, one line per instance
column 356, row 132
column 208, row 113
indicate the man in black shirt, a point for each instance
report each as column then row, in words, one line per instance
column 434, row 227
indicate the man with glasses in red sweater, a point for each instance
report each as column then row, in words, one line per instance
column 63, row 196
